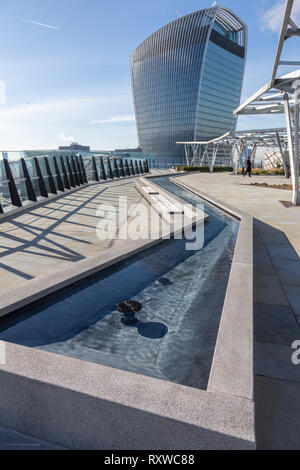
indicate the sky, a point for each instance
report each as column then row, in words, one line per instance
column 65, row 66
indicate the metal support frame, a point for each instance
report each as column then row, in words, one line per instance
column 70, row 173
column 122, row 168
column 95, row 171
column 14, row 195
column 52, row 186
column 205, row 153
column 116, row 169
column 240, row 149
column 286, row 170
column 29, row 187
column 79, row 172
column 186, row 151
column 42, row 185
column 293, row 145
column 110, row 173
column 67, row 182
column 81, row 162
column 196, row 154
column 75, row 174
column 103, row 172
column 214, row 156
column 253, row 152
column 60, row 185
column 132, row 168
column 127, row 171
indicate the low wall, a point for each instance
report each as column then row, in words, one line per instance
column 232, row 371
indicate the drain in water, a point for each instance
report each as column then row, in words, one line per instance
column 129, row 309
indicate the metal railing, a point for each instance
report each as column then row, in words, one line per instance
column 25, row 180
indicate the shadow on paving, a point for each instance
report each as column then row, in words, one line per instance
column 40, row 235
column 276, row 327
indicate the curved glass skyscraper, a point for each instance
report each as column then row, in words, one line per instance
column 187, row 79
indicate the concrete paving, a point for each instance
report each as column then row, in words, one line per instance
column 59, row 233
column 276, row 300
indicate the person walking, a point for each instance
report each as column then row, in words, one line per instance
column 248, row 167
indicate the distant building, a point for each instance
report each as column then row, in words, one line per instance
column 137, row 150
column 187, row 79
column 75, row 147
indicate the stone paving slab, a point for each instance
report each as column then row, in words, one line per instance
column 276, row 297
column 277, row 414
column 275, row 324
column 275, row 361
column 59, row 233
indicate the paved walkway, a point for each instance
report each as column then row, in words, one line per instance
column 59, row 233
column 276, row 300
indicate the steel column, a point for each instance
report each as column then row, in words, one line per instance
column 67, row 183
column 137, row 171
column 116, row 169
column 132, row 168
column 214, row 156
column 58, row 176
column 122, row 168
column 293, row 151
column 83, row 169
column 50, row 177
column 103, row 172
column 14, row 195
column 71, row 177
column 110, row 173
column 73, row 166
column 127, row 171
column 43, row 189
column 95, row 172
column 79, row 172
column 29, row 187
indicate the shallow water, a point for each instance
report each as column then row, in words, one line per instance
column 182, row 294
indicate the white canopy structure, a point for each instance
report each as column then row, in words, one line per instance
column 280, row 95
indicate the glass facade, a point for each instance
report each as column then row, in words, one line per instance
column 187, row 80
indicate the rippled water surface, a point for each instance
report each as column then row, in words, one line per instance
column 182, row 294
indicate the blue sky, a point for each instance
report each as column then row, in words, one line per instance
column 73, row 80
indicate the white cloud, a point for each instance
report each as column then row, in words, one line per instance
column 115, row 119
column 67, row 139
column 50, row 106
column 39, row 124
column 41, row 24
column 272, row 19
